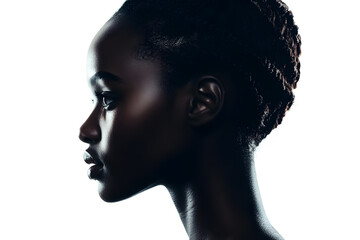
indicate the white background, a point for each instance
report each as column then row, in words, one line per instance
column 308, row 168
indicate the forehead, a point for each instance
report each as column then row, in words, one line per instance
column 117, row 30
column 114, row 45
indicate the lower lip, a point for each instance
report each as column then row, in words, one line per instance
column 95, row 172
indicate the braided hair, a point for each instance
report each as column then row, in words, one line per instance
column 256, row 40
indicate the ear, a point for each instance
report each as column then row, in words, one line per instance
column 206, row 101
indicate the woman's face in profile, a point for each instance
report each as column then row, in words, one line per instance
column 134, row 128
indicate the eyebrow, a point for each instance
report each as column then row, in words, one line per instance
column 104, row 76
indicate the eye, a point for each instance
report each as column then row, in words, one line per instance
column 107, row 100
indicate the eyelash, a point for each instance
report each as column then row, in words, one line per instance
column 106, row 99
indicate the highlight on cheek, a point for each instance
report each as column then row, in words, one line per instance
column 149, row 99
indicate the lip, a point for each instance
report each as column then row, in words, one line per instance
column 90, row 158
column 95, row 171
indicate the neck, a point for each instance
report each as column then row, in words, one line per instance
column 219, row 198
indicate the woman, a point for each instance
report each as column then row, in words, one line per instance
column 184, row 92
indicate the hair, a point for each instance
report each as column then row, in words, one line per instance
column 256, row 41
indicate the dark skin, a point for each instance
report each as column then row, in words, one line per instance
column 141, row 136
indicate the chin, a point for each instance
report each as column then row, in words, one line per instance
column 111, row 194
column 108, row 199
column 108, row 195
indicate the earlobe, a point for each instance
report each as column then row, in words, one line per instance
column 207, row 100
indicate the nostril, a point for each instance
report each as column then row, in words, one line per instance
column 84, row 138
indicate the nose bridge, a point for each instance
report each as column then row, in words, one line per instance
column 90, row 131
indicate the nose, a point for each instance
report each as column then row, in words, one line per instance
column 90, row 130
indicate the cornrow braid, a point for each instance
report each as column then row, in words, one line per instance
column 281, row 65
column 256, row 40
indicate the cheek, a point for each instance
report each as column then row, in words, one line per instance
column 136, row 132
column 144, row 104
column 107, row 124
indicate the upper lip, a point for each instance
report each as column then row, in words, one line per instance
column 90, row 157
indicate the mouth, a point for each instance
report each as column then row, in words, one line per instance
column 96, row 170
